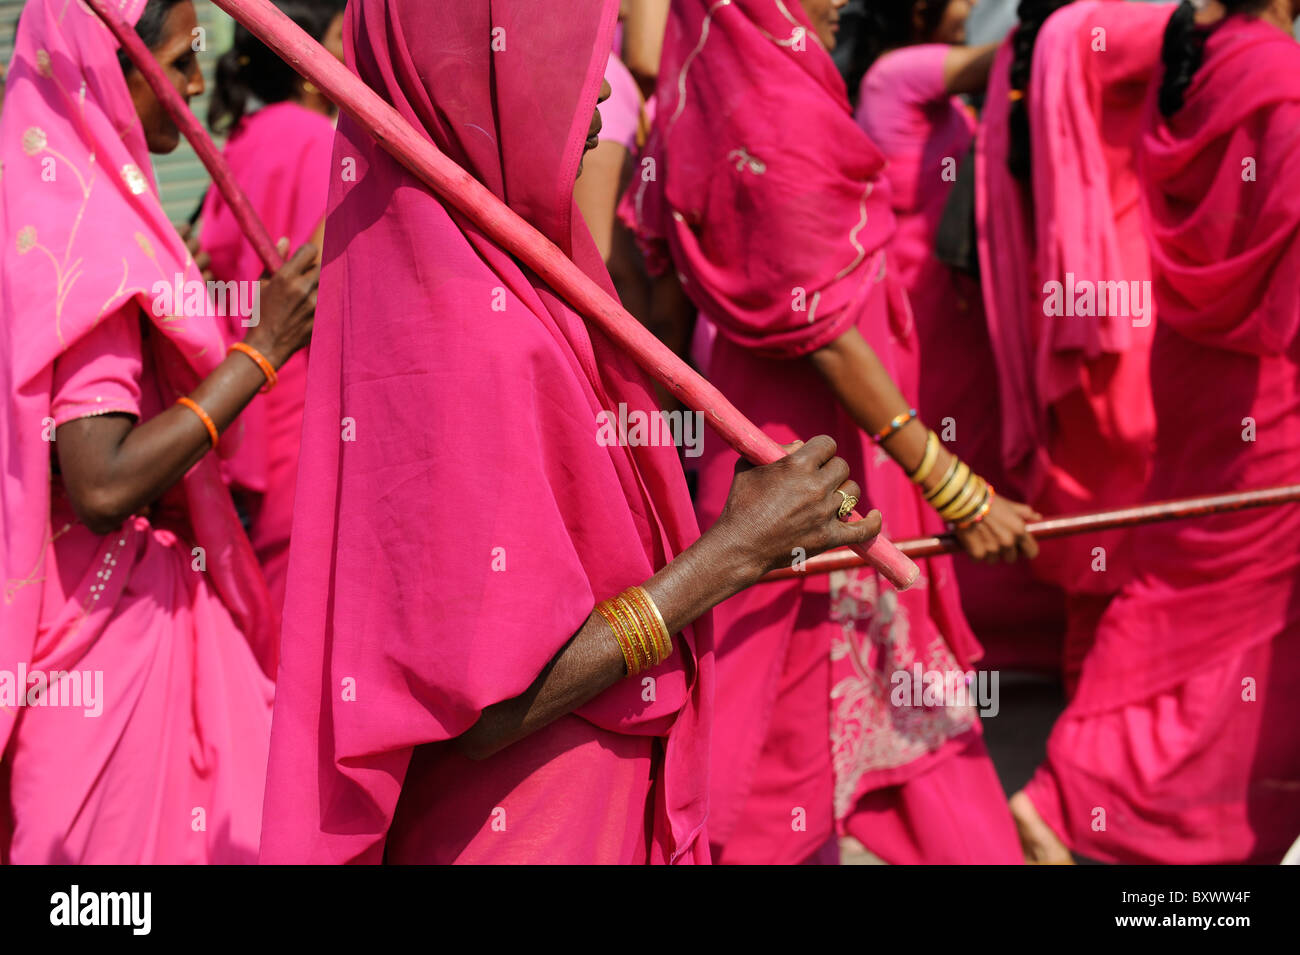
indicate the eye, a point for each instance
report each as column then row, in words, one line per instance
column 184, row 63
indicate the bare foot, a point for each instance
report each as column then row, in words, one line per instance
column 1040, row 844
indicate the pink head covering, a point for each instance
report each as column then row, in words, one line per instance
column 449, row 549
column 1067, row 222
column 1218, row 283
column 84, row 233
column 813, row 180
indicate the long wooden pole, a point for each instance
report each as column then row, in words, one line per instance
column 500, row 223
column 193, row 130
column 1178, row 509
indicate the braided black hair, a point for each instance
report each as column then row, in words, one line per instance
column 885, row 24
column 250, row 69
column 1032, row 14
column 1184, row 49
column 149, row 27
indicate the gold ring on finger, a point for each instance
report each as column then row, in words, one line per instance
column 847, row 505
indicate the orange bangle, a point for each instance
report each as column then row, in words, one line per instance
column 203, row 416
column 267, row 368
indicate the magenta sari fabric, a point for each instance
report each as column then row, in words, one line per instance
column 771, row 205
column 923, row 133
column 280, row 156
column 170, row 769
column 469, row 520
column 1184, row 726
column 1077, row 425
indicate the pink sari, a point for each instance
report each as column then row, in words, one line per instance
column 468, row 521
column 923, row 133
column 280, row 156
column 1184, row 728
column 765, row 190
column 1077, row 425
column 170, row 769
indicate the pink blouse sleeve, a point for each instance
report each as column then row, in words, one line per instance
column 897, row 91
column 100, row 372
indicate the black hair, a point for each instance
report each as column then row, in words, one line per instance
column 1032, row 14
column 1184, row 49
column 885, row 24
column 250, row 69
column 149, row 27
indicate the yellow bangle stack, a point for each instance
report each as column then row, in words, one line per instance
column 961, row 497
column 639, row 629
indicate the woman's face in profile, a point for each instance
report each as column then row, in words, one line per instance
column 824, row 15
column 593, row 131
column 175, row 53
column 333, row 38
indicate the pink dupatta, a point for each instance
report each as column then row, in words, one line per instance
column 468, row 521
column 1069, row 227
column 84, row 233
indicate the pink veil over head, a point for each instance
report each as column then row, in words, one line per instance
column 469, row 519
column 720, row 163
column 1085, row 52
column 83, row 234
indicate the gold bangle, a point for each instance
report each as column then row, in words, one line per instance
column 966, row 502
column 644, row 626
column 625, row 613
column 935, row 491
column 665, row 638
column 960, row 479
column 979, row 514
column 630, row 661
column 959, row 503
column 927, row 460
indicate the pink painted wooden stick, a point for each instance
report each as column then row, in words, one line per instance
column 461, row 190
column 198, row 137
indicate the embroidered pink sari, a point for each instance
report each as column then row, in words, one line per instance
column 170, row 611
column 1077, row 423
column 280, row 156
column 771, row 204
column 923, row 133
column 468, row 521
column 1184, row 728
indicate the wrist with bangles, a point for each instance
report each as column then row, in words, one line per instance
column 961, row 496
column 639, row 629
column 262, row 362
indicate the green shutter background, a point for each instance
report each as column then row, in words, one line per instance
column 181, row 177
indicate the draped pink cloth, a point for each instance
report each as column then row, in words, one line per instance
column 468, row 521
column 280, row 156
column 770, row 202
column 1077, row 422
column 171, row 768
column 924, row 133
column 1184, row 725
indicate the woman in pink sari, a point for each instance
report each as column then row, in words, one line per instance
column 280, row 157
column 771, row 204
column 910, row 66
column 447, row 692
column 1066, row 279
column 136, row 636
column 1181, row 745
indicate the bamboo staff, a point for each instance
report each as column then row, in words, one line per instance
column 500, row 223
column 1178, row 509
column 193, row 130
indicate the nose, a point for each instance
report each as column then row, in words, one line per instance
column 196, row 84
column 606, row 91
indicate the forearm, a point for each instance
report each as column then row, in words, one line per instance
column 966, row 68
column 866, row 390
column 704, row 575
column 113, row 470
